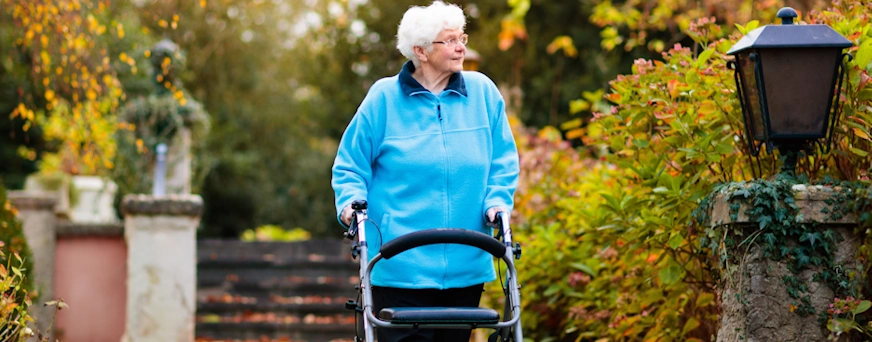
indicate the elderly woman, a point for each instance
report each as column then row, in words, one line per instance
column 428, row 148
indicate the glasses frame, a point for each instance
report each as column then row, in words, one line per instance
column 463, row 39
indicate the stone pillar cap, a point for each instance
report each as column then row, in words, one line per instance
column 33, row 199
column 174, row 205
column 811, row 200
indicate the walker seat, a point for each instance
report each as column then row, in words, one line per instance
column 440, row 315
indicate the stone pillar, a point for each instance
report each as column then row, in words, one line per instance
column 37, row 214
column 161, row 266
column 755, row 303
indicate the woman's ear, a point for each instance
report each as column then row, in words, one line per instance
column 421, row 53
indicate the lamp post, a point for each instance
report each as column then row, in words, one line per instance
column 789, row 78
column 472, row 60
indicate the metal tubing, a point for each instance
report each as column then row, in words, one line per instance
column 364, row 268
column 366, row 287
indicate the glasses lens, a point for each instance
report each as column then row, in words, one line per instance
column 464, row 39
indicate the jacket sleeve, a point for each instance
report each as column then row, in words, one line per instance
column 504, row 169
column 352, row 168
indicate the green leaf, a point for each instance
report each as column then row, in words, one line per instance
column 864, row 54
column 859, row 152
column 691, row 324
column 752, row 25
column 864, row 305
column 579, row 105
column 703, row 57
column 574, row 123
column 864, row 95
column 841, row 325
column 724, row 148
column 692, row 77
column 705, row 299
column 671, row 274
column 582, row 267
column 676, row 240
column 551, row 290
column 764, row 221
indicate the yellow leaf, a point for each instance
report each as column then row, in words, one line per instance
column 707, row 107
column 162, row 23
column 861, row 134
column 49, row 94
column 574, row 123
column 575, row 133
column 202, row 3
column 562, row 42
column 19, row 111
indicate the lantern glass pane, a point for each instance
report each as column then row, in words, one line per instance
column 799, row 87
column 752, row 100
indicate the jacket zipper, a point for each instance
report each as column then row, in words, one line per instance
column 447, row 188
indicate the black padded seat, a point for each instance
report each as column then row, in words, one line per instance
column 439, row 315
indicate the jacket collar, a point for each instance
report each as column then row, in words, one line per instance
column 411, row 86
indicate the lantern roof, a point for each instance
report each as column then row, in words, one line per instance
column 788, row 35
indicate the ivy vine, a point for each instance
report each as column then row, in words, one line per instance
column 785, row 236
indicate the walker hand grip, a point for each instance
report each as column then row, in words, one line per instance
column 358, row 205
column 443, row 235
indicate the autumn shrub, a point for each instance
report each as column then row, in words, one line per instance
column 15, row 269
column 610, row 246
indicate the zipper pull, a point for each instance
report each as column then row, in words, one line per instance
column 439, row 111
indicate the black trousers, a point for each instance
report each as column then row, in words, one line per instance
column 390, row 297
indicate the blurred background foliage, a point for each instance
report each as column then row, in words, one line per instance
column 279, row 79
column 623, row 112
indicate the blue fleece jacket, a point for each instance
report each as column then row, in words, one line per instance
column 428, row 161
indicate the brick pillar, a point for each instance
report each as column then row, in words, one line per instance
column 36, row 212
column 161, row 266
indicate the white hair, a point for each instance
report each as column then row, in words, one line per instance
column 421, row 25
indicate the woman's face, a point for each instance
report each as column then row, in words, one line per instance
column 447, row 57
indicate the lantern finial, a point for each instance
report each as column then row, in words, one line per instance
column 787, row 14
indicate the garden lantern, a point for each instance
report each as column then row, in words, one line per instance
column 472, row 60
column 788, row 78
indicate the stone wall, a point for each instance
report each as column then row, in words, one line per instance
column 130, row 282
column 91, row 277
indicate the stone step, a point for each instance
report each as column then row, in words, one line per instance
column 268, row 261
column 274, row 291
column 303, row 276
column 332, row 308
column 319, row 285
column 310, row 332
column 265, row 339
column 211, row 248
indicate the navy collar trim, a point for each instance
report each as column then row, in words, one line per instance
column 411, row 86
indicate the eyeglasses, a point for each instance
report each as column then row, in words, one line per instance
column 453, row 41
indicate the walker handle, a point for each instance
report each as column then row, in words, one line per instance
column 443, row 235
